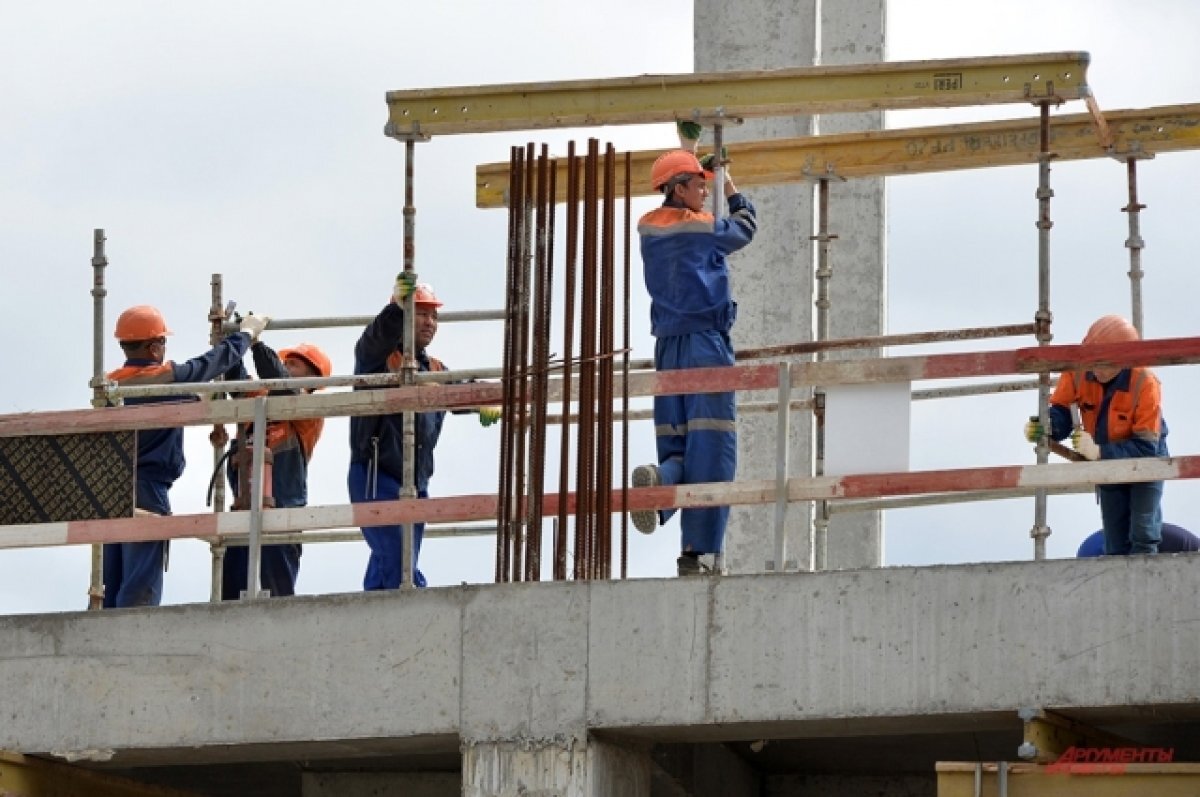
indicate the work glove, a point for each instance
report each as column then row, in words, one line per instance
column 689, row 134
column 1033, row 429
column 488, row 416
column 406, row 283
column 253, row 325
column 1085, row 445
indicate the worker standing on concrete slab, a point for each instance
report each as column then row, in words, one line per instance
column 291, row 444
column 377, row 442
column 684, row 250
column 133, row 571
column 1121, row 417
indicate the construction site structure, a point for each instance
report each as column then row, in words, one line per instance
column 802, row 680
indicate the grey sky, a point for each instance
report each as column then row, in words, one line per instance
column 246, row 139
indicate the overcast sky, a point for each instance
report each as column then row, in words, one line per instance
column 246, row 139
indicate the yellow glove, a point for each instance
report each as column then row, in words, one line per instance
column 1085, row 445
column 253, row 325
column 1033, row 429
column 406, row 283
column 489, row 415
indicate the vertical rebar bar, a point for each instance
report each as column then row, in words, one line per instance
column 585, row 492
column 409, row 368
column 626, row 345
column 516, row 183
column 99, row 292
column 560, row 544
column 604, row 418
column 542, row 285
column 1042, row 319
column 524, row 281
column 1135, row 244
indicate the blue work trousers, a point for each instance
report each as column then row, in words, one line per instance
column 133, row 571
column 385, row 566
column 1132, row 516
column 696, row 434
column 278, row 567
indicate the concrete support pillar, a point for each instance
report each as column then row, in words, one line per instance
column 773, row 277
column 381, row 784
column 566, row 769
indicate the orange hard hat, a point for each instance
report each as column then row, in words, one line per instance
column 674, row 163
column 141, row 323
column 424, row 295
column 311, row 355
column 1111, row 329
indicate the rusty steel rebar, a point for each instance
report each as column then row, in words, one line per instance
column 626, row 345
column 543, row 253
column 604, row 388
column 508, row 414
column 522, row 474
column 585, row 517
column 572, row 234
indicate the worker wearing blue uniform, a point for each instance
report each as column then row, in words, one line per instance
column 692, row 311
column 133, row 571
column 377, row 441
column 1175, row 539
column 291, row 444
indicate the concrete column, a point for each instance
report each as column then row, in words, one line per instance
column 773, row 277
column 564, row 768
column 381, row 784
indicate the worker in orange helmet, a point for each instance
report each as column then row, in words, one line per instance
column 376, row 442
column 1121, row 415
column 684, row 250
column 291, row 444
column 133, row 571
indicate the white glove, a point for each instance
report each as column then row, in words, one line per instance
column 253, row 325
column 1085, row 445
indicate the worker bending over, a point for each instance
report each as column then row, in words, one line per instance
column 291, row 444
column 133, row 571
column 377, row 441
column 1121, row 413
column 684, row 251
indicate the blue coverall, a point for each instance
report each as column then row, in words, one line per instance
column 691, row 314
column 133, row 571
column 377, row 454
column 291, row 446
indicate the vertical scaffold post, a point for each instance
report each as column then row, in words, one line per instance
column 819, row 547
column 718, row 189
column 1135, row 244
column 1042, row 319
column 783, row 434
column 97, row 384
column 409, row 368
column 257, row 491
column 218, row 437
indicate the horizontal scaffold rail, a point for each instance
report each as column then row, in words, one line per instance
column 646, row 99
column 464, row 508
column 919, row 150
column 427, row 398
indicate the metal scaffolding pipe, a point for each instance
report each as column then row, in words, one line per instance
column 330, row 322
column 257, row 491
column 878, row 341
column 1042, row 320
column 218, row 437
column 99, row 292
column 1134, row 244
column 783, row 435
column 819, row 553
column 409, row 367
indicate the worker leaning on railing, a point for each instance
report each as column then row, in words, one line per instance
column 133, row 571
column 1121, row 418
column 291, row 444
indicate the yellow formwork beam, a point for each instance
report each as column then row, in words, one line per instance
column 733, row 95
column 1033, row 780
column 885, row 153
column 1047, row 736
column 29, row 776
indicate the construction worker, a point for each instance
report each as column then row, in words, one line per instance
column 133, row 571
column 291, row 444
column 377, row 442
column 684, row 253
column 1121, row 416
